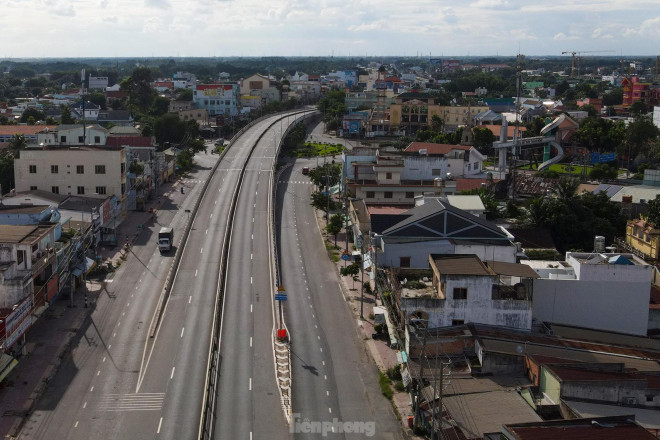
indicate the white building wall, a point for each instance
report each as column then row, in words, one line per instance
column 419, row 252
column 656, row 116
column 67, row 178
column 485, row 252
column 93, row 136
column 617, row 306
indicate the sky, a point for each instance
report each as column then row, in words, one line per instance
column 170, row 28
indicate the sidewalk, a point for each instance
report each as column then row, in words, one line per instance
column 382, row 354
column 54, row 333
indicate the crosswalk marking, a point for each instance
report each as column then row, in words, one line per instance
column 298, row 182
column 193, row 181
column 130, row 402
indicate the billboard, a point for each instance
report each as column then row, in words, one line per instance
column 352, row 127
column 18, row 321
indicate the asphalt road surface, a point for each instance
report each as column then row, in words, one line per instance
column 333, row 378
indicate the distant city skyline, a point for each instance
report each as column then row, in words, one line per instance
column 191, row 28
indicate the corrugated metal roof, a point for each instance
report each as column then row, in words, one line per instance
column 637, row 192
column 455, row 264
column 468, row 203
column 512, row 269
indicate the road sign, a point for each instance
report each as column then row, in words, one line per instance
column 280, row 297
column 345, row 257
column 280, row 288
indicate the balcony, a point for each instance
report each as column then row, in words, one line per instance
column 38, row 264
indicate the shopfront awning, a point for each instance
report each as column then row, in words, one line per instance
column 87, row 266
column 7, row 363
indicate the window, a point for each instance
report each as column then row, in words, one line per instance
column 20, row 257
column 123, row 189
column 388, row 175
column 80, row 169
column 33, row 188
column 649, row 397
column 99, row 169
column 371, row 194
column 33, row 169
column 81, row 190
column 123, row 167
column 436, row 172
column 35, row 247
column 97, row 139
column 81, row 140
column 469, row 165
column 54, row 169
column 100, row 190
column 62, row 139
column 388, row 194
column 457, row 321
column 475, row 166
column 404, row 261
column 55, row 189
column 460, row 292
column 410, row 195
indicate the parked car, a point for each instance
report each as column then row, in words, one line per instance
column 305, row 170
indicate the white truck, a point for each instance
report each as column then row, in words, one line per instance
column 165, row 239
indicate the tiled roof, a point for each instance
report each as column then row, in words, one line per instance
column 10, row 130
column 432, row 148
column 456, row 264
column 214, row 86
column 131, row 141
column 585, row 431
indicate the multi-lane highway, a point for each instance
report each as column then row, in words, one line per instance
column 332, row 375
column 117, row 386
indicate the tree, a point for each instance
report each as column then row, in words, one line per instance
column 350, row 271
column 639, row 108
column 98, row 99
column 320, row 201
column 334, row 225
column 566, row 188
column 35, row 113
column 653, row 211
column 639, row 135
column 65, row 115
column 17, row 143
column 437, row 124
column 160, row 106
column 590, row 109
column 138, row 87
column 602, row 171
column 483, row 138
column 184, row 95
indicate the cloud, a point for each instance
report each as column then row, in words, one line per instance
column 152, row 25
column 161, row 4
column 601, row 33
column 562, row 36
column 493, row 4
column 373, row 26
column 104, row 4
column 63, row 10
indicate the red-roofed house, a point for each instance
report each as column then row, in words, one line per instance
column 129, row 141
column 163, row 86
column 217, row 99
column 472, row 160
column 29, row 131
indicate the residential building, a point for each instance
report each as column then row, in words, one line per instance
column 217, row 99
column 306, row 91
column 122, row 130
column 634, row 91
column 7, row 132
column 261, row 86
column 90, row 111
column 97, row 83
column 115, row 117
column 177, row 106
column 88, row 170
column 615, row 427
column 199, row 115
column 28, row 276
column 600, row 383
column 603, row 291
column 405, row 240
column 468, row 290
column 642, row 239
column 163, row 86
column 71, row 135
column 396, row 178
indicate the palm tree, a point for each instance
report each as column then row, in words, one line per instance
column 566, row 188
column 17, row 143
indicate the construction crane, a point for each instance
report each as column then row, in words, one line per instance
column 578, row 53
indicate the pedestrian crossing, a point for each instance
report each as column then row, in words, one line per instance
column 192, row 181
column 295, row 182
column 131, row 402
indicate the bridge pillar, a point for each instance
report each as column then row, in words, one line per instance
column 502, row 159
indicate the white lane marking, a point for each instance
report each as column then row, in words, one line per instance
column 323, row 362
column 327, row 393
column 118, row 323
column 316, row 326
column 330, row 410
column 325, row 377
column 109, row 346
column 98, row 373
column 123, row 313
column 201, row 250
column 255, row 205
column 250, row 435
column 195, row 273
column 189, row 299
column 114, row 334
column 252, row 236
column 103, row 358
column 91, row 389
column 319, row 337
column 215, row 202
column 84, row 405
column 252, row 219
column 76, row 425
column 206, row 232
column 172, row 373
column 182, row 330
column 250, row 280
column 211, row 216
column 250, row 308
column 159, row 423
column 128, row 304
column 251, row 256
column 313, row 316
column 250, row 386
column 250, row 341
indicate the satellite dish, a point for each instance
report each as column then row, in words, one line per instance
column 520, row 349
